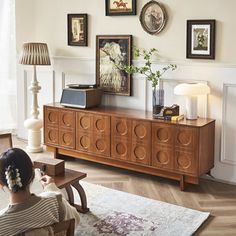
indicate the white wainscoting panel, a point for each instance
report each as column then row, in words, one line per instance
column 228, row 151
column 219, row 104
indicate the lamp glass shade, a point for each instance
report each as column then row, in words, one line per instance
column 34, row 54
column 191, row 89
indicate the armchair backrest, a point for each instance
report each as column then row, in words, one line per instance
column 5, row 142
column 63, row 228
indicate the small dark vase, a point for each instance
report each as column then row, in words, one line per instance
column 157, row 100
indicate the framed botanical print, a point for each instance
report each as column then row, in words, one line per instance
column 200, row 39
column 120, row 7
column 112, row 53
column 77, row 28
column 153, row 17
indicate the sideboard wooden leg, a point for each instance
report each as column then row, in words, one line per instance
column 182, row 183
column 56, row 154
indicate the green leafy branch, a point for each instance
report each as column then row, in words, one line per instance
column 146, row 69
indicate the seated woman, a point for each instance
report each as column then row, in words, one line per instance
column 27, row 211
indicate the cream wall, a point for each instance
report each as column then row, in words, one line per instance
column 43, row 20
column 49, row 19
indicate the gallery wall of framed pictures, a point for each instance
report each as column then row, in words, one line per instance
column 114, row 50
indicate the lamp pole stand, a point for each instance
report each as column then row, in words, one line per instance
column 34, row 124
column 191, row 107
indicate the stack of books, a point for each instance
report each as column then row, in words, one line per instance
column 170, row 118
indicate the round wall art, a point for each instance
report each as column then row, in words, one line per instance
column 153, row 17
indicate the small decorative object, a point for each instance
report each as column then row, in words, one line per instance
column 201, row 39
column 153, row 76
column 167, row 111
column 191, row 91
column 50, row 166
column 153, row 17
column 111, row 51
column 77, row 29
column 34, row 54
column 120, row 7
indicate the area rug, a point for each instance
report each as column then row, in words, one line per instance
column 114, row 213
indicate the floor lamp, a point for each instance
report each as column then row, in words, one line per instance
column 34, row 54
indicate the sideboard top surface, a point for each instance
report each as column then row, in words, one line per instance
column 133, row 113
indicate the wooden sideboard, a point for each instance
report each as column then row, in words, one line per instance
column 133, row 140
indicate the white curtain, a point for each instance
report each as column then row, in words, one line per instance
column 7, row 66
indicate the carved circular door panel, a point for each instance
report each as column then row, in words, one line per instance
column 52, row 136
column 121, row 128
column 184, row 137
column 162, row 157
column 67, row 139
column 85, row 142
column 183, row 161
column 67, row 119
column 85, row 122
column 121, row 149
column 140, row 131
column 163, row 134
column 140, row 153
column 53, row 117
column 100, row 145
column 100, row 125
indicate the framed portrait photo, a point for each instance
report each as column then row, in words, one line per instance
column 153, row 17
column 112, row 52
column 77, row 29
column 120, row 7
column 200, row 39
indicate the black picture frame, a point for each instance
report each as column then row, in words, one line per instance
column 112, row 52
column 120, row 7
column 77, row 29
column 200, row 39
column 153, row 17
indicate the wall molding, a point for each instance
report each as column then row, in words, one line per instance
column 190, row 62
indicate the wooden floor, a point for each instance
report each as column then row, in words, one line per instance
column 217, row 198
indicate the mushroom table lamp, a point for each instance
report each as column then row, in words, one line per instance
column 34, row 54
column 191, row 91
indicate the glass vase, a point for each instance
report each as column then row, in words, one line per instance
column 157, row 100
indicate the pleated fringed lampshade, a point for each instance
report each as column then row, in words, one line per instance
column 34, row 54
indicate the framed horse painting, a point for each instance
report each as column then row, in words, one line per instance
column 120, row 7
column 112, row 53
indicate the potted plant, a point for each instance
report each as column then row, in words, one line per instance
column 153, row 76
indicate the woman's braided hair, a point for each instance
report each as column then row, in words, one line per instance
column 16, row 169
